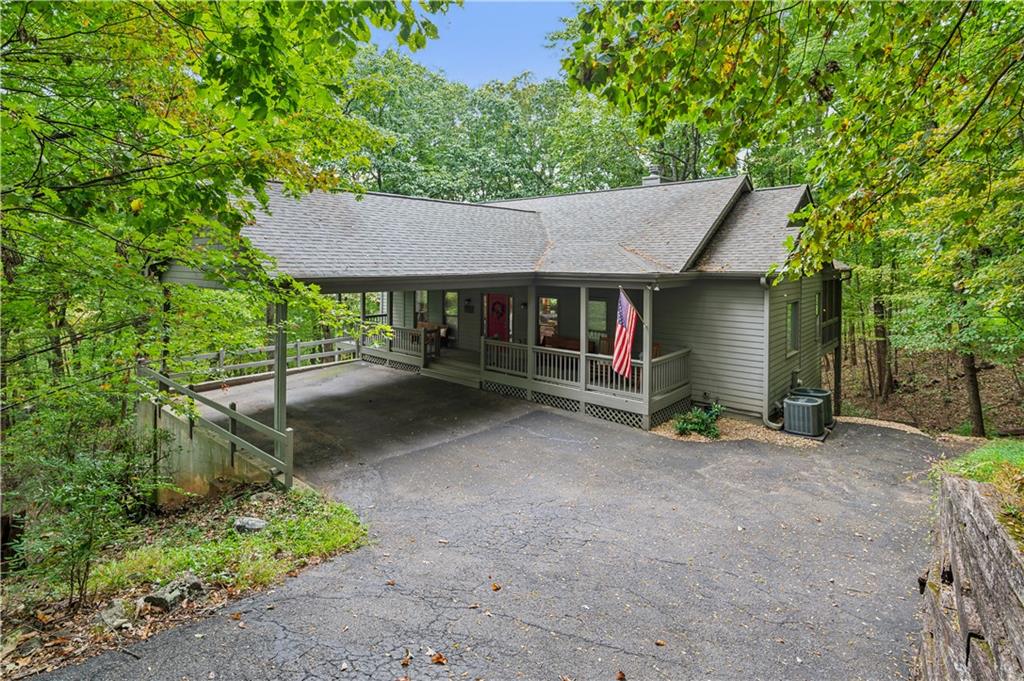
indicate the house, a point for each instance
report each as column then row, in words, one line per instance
column 519, row 297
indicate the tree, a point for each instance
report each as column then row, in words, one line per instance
column 896, row 109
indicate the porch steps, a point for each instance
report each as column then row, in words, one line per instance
column 462, row 373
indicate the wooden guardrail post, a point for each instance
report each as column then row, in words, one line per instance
column 233, row 429
column 289, row 456
column 423, row 347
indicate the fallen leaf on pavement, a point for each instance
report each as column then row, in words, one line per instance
column 495, row 586
column 407, row 659
column 621, row 676
column 439, row 658
column 659, row 642
column 236, row 615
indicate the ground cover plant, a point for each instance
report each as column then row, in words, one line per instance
column 303, row 528
column 699, row 420
column 1001, row 463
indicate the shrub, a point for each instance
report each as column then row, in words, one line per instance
column 699, row 420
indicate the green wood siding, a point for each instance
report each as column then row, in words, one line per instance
column 722, row 322
column 807, row 361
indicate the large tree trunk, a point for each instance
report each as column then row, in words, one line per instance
column 973, row 395
column 883, row 371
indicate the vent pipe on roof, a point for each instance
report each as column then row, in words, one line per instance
column 654, row 178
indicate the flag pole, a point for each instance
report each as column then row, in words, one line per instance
column 623, row 292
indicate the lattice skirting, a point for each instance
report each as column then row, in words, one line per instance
column 506, row 390
column 666, row 413
column 620, row 416
column 392, row 363
column 556, row 401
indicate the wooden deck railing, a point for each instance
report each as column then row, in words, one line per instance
column 280, row 461
column 670, row 371
column 506, row 358
column 562, row 367
column 339, row 349
column 603, row 379
column 553, row 365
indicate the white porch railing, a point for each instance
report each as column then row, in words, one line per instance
column 603, row 379
column 403, row 340
column 552, row 365
column 670, row 371
column 562, row 367
column 506, row 358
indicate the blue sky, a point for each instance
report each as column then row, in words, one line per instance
column 483, row 41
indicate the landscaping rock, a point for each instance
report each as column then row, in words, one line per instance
column 249, row 524
column 115, row 616
column 171, row 595
column 264, row 497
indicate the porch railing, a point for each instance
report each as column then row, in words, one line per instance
column 553, row 365
column 603, row 379
column 670, row 371
column 280, row 461
column 222, row 363
column 407, row 341
column 562, row 367
column 506, row 358
column 379, row 318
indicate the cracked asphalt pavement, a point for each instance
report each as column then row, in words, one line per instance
column 525, row 543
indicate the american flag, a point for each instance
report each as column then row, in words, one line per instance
column 625, row 327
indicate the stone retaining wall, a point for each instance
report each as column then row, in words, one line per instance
column 974, row 592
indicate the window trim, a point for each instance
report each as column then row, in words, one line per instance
column 792, row 328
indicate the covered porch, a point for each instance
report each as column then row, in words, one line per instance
column 546, row 342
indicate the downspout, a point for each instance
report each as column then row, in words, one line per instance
column 767, row 358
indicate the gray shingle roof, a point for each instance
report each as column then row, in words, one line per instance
column 326, row 236
column 636, row 230
column 643, row 229
column 753, row 236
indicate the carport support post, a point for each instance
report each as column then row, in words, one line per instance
column 645, row 375
column 531, row 337
column 281, row 386
column 584, row 296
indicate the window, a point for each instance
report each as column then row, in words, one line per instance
column 597, row 316
column 451, row 306
column 421, row 306
column 793, row 327
column 547, row 317
column 818, row 312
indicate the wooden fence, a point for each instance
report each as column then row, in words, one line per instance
column 279, row 461
column 220, row 363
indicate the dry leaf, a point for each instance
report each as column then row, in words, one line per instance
column 659, row 642
column 390, row 582
column 474, row 606
column 236, row 615
column 495, row 586
column 439, row 658
column 407, row 659
column 621, row 676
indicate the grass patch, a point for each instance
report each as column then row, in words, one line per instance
column 983, row 463
column 1000, row 463
column 302, row 525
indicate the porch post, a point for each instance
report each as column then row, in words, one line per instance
column 391, row 309
column 837, row 356
column 645, row 376
column 281, row 384
column 531, row 337
column 362, row 306
column 584, row 297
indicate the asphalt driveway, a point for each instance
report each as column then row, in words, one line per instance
column 521, row 542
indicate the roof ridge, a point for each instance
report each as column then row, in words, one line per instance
column 614, row 189
column 803, row 185
column 413, row 198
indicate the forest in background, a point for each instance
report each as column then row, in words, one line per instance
column 129, row 130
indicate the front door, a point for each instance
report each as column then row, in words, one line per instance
column 499, row 313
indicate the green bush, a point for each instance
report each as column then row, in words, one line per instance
column 699, row 420
column 82, row 479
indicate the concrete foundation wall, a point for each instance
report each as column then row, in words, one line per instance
column 195, row 459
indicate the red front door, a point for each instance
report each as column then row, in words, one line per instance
column 498, row 314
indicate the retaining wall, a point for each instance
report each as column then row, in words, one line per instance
column 973, row 615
